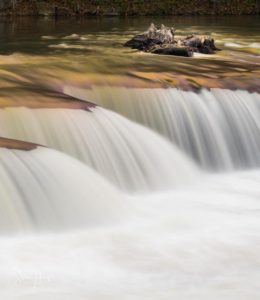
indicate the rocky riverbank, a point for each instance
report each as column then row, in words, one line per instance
column 127, row 7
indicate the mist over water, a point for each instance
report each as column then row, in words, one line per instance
column 140, row 204
column 201, row 242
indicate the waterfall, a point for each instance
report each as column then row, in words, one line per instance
column 129, row 155
column 42, row 189
column 219, row 128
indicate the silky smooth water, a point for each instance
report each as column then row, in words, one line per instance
column 43, row 189
column 200, row 243
column 218, row 128
column 190, row 234
column 125, row 153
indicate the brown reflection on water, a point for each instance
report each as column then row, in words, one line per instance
column 44, row 54
column 17, row 97
column 15, row 144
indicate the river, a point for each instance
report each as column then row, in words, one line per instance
column 146, row 185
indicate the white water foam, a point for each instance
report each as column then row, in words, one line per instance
column 198, row 244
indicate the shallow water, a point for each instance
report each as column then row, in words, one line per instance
column 40, row 52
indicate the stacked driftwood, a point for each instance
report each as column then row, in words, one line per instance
column 162, row 41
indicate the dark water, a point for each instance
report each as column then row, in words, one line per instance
column 42, row 53
column 24, row 34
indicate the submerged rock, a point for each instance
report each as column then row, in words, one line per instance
column 161, row 41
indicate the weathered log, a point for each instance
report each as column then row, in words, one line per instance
column 161, row 41
column 177, row 51
column 164, row 34
column 142, row 43
column 199, row 44
column 151, row 37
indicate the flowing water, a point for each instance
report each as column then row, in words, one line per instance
column 37, row 190
column 218, row 128
column 124, row 152
column 42, row 53
column 149, row 211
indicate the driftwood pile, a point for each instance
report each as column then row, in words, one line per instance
column 162, row 41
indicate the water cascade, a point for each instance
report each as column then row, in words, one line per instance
column 219, row 128
column 172, row 231
column 129, row 155
column 42, row 189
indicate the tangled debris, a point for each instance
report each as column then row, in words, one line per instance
column 162, row 41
